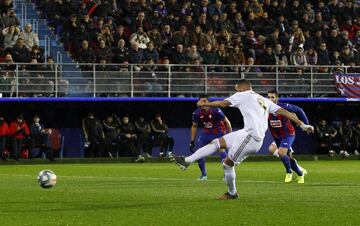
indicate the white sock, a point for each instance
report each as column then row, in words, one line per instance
column 230, row 178
column 203, row 152
column 276, row 153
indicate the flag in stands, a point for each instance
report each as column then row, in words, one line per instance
column 348, row 85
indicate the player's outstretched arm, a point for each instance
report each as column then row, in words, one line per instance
column 296, row 120
column 228, row 125
column 214, row 104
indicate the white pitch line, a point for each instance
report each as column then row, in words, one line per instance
column 183, row 179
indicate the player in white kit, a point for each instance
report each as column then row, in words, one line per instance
column 255, row 110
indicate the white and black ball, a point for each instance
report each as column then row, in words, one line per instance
column 47, row 179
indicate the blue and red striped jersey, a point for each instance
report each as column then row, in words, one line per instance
column 211, row 120
column 280, row 126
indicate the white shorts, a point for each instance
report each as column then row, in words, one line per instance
column 240, row 145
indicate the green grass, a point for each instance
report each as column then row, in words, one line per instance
column 161, row 194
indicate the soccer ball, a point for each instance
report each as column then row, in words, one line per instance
column 47, row 179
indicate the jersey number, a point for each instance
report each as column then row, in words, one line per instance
column 262, row 104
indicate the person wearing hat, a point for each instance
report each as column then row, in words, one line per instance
column 18, row 131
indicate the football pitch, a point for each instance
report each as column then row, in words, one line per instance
column 161, row 194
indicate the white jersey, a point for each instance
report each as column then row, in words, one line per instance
column 255, row 110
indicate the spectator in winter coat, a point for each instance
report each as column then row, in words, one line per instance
column 18, row 131
column 4, row 131
column 30, row 38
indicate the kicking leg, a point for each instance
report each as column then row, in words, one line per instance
column 203, row 152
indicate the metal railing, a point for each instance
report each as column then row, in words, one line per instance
column 35, row 26
column 140, row 80
column 23, row 15
column 47, row 47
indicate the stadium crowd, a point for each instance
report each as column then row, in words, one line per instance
column 247, row 32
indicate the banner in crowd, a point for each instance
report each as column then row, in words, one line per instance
column 348, row 85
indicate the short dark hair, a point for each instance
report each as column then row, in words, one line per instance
column 244, row 82
column 203, row 96
column 273, row 91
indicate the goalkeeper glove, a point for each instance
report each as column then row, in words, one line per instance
column 192, row 146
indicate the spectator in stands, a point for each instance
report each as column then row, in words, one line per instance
column 140, row 37
column 111, row 132
column 120, row 34
column 106, row 35
column 156, row 20
column 238, row 25
column 128, row 139
column 356, row 138
column 311, row 56
column 160, row 130
column 193, row 54
column 155, row 37
column 10, row 35
column 30, row 38
column 346, row 135
column 8, row 64
column 323, row 57
column 179, row 56
column 120, row 53
column 298, row 58
column 250, row 43
column 80, row 35
column 103, row 9
column 69, row 29
column 20, row 53
column 325, row 136
column 93, row 136
column 143, row 134
column 5, row 5
column 209, row 55
column 136, row 55
column 86, row 56
column 87, row 22
column 4, row 132
column 103, row 52
column 236, row 56
column 63, row 84
column 197, row 37
column 141, row 21
column 269, row 58
column 181, row 37
column 166, row 37
column 296, row 39
column 280, row 55
column 37, row 53
column 40, row 138
column 18, row 131
column 223, row 57
column 346, row 56
column 10, row 19
column 151, row 53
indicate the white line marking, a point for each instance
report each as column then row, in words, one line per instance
column 183, row 179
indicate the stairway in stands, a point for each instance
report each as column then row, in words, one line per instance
column 70, row 72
